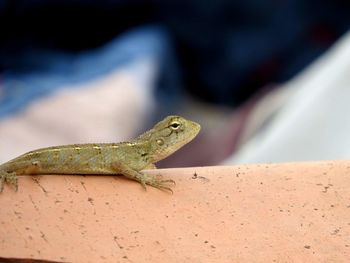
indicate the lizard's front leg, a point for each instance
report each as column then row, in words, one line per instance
column 143, row 179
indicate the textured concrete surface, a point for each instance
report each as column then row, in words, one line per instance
column 295, row 212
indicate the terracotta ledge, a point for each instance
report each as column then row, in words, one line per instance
column 296, row 212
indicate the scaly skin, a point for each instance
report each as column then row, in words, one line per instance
column 126, row 158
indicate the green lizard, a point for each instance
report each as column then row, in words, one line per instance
column 125, row 158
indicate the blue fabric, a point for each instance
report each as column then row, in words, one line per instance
column 226, row 49
column 48, row 71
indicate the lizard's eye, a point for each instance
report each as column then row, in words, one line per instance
column 175, row 125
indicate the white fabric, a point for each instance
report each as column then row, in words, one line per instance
column 313, row 121
column 111, row 108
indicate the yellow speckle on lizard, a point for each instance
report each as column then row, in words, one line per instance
column 126, row 158
column 56, row 152
column 98, row 149
column 77, row 149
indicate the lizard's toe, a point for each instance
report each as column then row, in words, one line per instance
column 2, row 182
column 143, row 183
column 12, row 179
column 161, row 184
column 9, row 178
column 168, row 189
column 169, row 181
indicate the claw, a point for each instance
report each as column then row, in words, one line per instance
column 167, row 189
column 143, row 183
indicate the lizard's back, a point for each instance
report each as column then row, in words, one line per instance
column 66, row 159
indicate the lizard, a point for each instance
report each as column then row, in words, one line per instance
column 123, row 158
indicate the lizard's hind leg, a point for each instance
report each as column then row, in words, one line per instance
column 8, row 177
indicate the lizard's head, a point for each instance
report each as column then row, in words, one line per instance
column 170, row 134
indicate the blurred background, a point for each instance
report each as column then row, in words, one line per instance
column 267, row 80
